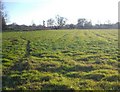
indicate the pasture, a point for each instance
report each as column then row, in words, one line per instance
column 60, row 60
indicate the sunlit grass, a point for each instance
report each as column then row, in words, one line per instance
column 61, row 59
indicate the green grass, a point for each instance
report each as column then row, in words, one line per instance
column 61, row 59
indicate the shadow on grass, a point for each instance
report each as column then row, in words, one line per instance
column 55, row 87
column 64, row 68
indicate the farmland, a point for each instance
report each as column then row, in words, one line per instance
column 60, row 59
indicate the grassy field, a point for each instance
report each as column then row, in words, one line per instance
column 61, row 59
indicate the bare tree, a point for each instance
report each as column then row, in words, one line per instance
column 60, row 21
column 3, row 16
column 88, row 24
column 43, row 23
column 81, row 22
column 50, row 22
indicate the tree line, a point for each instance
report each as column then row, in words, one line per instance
column 58, row 22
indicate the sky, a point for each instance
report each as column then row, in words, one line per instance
column 29, row 11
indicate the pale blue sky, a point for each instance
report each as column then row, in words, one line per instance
column 26, row 11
